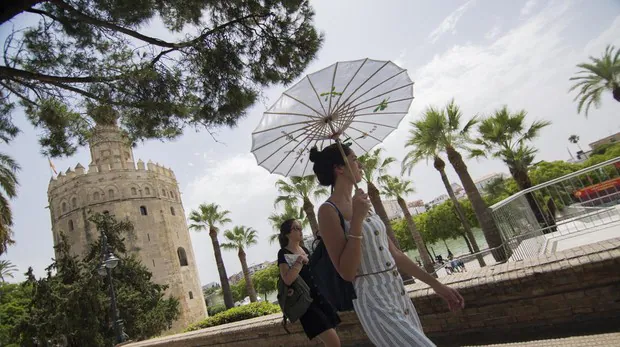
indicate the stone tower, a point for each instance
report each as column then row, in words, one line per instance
column 148, row 196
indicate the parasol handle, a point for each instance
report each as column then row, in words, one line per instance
column 344, row 156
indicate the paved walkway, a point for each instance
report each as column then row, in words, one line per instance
column 600, row 340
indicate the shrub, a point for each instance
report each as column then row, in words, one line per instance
column 215, row 309
column 235, row 314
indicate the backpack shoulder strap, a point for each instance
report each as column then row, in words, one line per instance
column 339, row 213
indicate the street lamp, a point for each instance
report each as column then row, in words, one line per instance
column 108, row 262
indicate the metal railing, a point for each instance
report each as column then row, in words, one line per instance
column 578, row 202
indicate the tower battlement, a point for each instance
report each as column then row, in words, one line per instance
column 147, row 195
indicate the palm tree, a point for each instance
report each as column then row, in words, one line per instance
column 574, row 139
column 210, row 217
column 298, row 189
column 290, row 212
column 239, row 238
column 395, row 188
column 8, row 185
column 495, row 188
column 504, row 135
column 6, row 270
column 601, row 74
column 442, row 130
column 425, row 147
column 375, row 167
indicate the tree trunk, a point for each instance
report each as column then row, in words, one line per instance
column 491, row 233
column 10, row 9
column 309, row 210
column 228, row 299
column 440, row 166
column 616, row 93
column 249, row 287
column 470, row 248
column 377, row 204
column 524, row 182
column 417, row 238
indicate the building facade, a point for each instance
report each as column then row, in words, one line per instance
column 484, row 181
column 146, row 195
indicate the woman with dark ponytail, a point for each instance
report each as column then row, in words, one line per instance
column 321, row 318
column 365, row 256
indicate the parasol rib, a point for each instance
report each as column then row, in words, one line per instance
column 378, row 113
column 298, row 156
column 361, row 85
column 308, row 135
column 389, row 102
column 364, row 133
column 378, row 85
column 325, row 114
column 373, row 123
column 348, row 83
column 382, row 94
column 329, row 107
column 281, row 136
column 293, row 114
column 283, row 126
column 303, row 103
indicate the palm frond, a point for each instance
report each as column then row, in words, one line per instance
column 595, row 77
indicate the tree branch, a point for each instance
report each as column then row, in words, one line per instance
column 152, row 40
column 23, row 97
column 10, row 9
column 9, row 72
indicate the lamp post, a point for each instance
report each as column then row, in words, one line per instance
column 108, row 262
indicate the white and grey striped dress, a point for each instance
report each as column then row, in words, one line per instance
column 383, row 306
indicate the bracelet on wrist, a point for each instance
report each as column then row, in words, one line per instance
column 356, row 237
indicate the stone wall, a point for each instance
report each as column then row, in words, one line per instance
column 148, row 196
column 578, row 289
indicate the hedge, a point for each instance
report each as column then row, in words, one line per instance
column 215, row 309
column 235, row 314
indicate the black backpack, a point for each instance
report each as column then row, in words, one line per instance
column 339, row 292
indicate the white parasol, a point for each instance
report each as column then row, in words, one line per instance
column 355, row 102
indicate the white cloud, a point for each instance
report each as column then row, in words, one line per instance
column 400, row 61
column 493, row 33
column 528, row 7
column 449, row 23
column 236, row 184
column 527, row 68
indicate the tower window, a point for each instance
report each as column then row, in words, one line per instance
column 171, row 194
column 153, row 262
column 172, row 210
column 70, row 225
column 73, row 202
column 64, row 207
column 163, row 192
column 96, row 196
column 134, row 191
column 111, row 194
column 147, row 191
column 191, row 295
column 182, row 256
column 143, row 211
column 106, row 212
column 148, row 236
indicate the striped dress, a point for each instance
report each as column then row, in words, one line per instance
column 382, row 305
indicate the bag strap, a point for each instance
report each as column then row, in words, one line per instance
column 284, row 323
column 339, row 213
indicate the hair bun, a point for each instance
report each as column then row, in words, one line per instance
column 315, row 154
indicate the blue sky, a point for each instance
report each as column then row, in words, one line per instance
column 483, row 53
